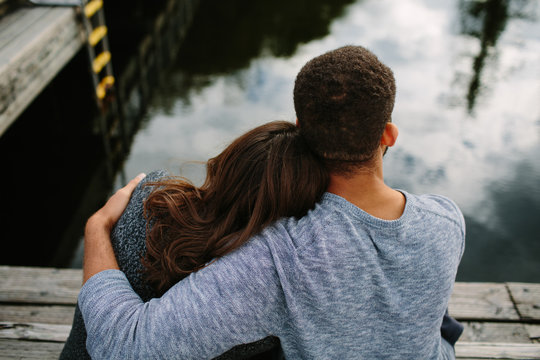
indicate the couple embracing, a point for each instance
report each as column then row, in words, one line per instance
column 294, row 247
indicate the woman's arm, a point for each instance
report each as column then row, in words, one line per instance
column 98, row 251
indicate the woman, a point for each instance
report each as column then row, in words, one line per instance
column 265, row 174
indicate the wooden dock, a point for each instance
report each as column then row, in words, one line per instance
column 502, row 320
column 35, row 44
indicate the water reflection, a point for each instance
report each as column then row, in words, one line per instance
column 509, row 237
column 484, row 160
column 486, row 21
column 227, row 35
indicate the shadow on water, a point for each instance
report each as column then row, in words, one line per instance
column 486, row 21
column 227, row 35
column 48, row 155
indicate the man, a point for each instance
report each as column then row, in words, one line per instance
column 366, row 275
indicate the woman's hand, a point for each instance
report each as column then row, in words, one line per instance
column 109, row 214
column 98, row 251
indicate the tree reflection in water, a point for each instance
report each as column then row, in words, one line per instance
column 486, row 20
column 227, row 35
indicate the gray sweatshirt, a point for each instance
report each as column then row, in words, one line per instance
column 335, row 284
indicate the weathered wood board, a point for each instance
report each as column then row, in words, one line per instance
column 45, row 314
column 34, row 331
column 527, row 299
column 35, row 43
column 20, row 349
column 482, row 301
column 533, row 330
column 495, row 332
column 479, row 350
column 37, row 305
column 39, row 286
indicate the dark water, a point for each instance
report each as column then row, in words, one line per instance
column 467, row 106
column 55, row 172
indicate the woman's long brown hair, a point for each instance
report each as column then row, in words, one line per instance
column 265, row 174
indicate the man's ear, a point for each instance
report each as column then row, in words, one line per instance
column 389, row 135
column 297, row 123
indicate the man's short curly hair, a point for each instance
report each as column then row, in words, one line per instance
column 343, row 100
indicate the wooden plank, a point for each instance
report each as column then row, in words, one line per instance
column 495, row 332
column 34, row 331
column 470, row 301
column 16, row 23
column 527, row 299
column 482, row 301
column 476, row 350
column 20, row 349
column 48, row 314
column 480, row 340
column 39, row 285
column 25, row 31
column 533, row 330
column 32, row 59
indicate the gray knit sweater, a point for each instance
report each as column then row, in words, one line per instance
column 129, row 242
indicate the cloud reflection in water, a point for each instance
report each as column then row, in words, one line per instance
column 481, row 153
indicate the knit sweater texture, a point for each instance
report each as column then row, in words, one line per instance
column 335, row 284
column 129, row 243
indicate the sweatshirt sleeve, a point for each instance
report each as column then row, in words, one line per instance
column 235, row 300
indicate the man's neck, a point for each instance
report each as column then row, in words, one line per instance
column 366, row 189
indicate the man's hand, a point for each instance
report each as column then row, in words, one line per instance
column 98, row 251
